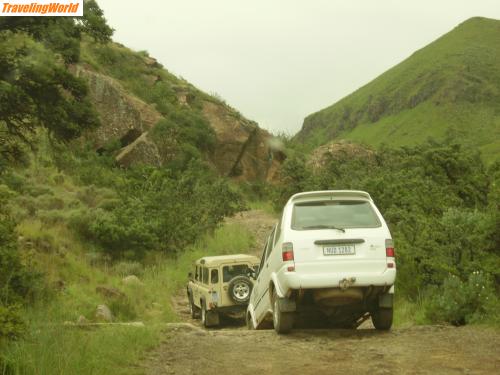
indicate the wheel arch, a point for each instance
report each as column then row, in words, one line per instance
column 274, row 286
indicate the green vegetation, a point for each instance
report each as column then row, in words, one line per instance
column 447, row 90
column 36, row 88
column 73, row 224
column 441, row 204
column 55, row 268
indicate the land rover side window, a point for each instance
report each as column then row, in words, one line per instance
column 205, row 275
column 197, row 274
column 334, row 214
column 214, row 276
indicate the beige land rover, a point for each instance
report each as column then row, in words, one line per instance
column 220, row 284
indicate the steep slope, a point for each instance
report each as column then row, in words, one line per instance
column 133, row 93
column 450, row 88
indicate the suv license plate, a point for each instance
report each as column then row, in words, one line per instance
column 339, row 250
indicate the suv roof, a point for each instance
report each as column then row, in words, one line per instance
column 356, row 194
column 220, row 259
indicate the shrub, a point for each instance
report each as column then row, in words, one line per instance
column 12, row 326
column 158, row 209
column 460, row 302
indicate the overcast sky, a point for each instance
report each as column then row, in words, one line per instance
column 277, row 61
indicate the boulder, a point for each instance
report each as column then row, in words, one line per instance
column 103, row 313
column 140, row 151
column 82, row 320
column 109, row 291
column 132, row 280
column 337, row 151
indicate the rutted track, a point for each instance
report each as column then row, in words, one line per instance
column 231, row 349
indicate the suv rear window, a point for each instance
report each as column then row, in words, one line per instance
column 339, row 214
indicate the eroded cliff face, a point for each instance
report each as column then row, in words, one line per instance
column 242, row 151
column 338, row 151
column 123, row 116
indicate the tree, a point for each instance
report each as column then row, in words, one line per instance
column 36, row 87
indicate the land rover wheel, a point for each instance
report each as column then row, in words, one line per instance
column 240, row 288
column 209, row 318
column 194, row 310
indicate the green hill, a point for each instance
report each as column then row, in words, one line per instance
column 448, row 89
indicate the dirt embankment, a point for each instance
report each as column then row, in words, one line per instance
column 231, row 349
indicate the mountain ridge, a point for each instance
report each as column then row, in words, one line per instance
column 448, row 89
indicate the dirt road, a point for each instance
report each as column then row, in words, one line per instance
column 231, row 349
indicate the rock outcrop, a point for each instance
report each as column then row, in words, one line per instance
column 123, row 116
column 339, row 151
column 242, row 151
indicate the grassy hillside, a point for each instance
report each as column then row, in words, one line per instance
column 73, row 224
column 449, row 89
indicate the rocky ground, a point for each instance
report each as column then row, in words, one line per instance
column 187, row 348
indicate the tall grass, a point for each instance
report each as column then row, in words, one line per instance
column 49, row 347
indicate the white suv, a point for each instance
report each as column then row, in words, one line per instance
column 331, row 253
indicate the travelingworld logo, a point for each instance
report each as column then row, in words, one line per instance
column 73, row 8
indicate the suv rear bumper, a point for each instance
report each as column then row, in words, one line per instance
column 296, row 280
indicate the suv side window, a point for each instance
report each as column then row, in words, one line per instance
column 214, row 276
column 269, row 246
column 205, row 275
column 278, row 230
column 263, row 258
column 197, row 274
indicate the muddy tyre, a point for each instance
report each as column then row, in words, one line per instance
column 240, row 288
column 193, row 309
column 208, row 318
column 282, row 321
column 382, row 318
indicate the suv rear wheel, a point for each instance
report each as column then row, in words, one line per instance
column 382, row 318
column 283, row 321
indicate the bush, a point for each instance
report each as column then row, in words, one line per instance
column 460, row 302
column 160, row 209
column 12, row 326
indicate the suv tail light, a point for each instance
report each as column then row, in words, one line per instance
column 287, row 251
column 389, row 249
column 390, row 253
